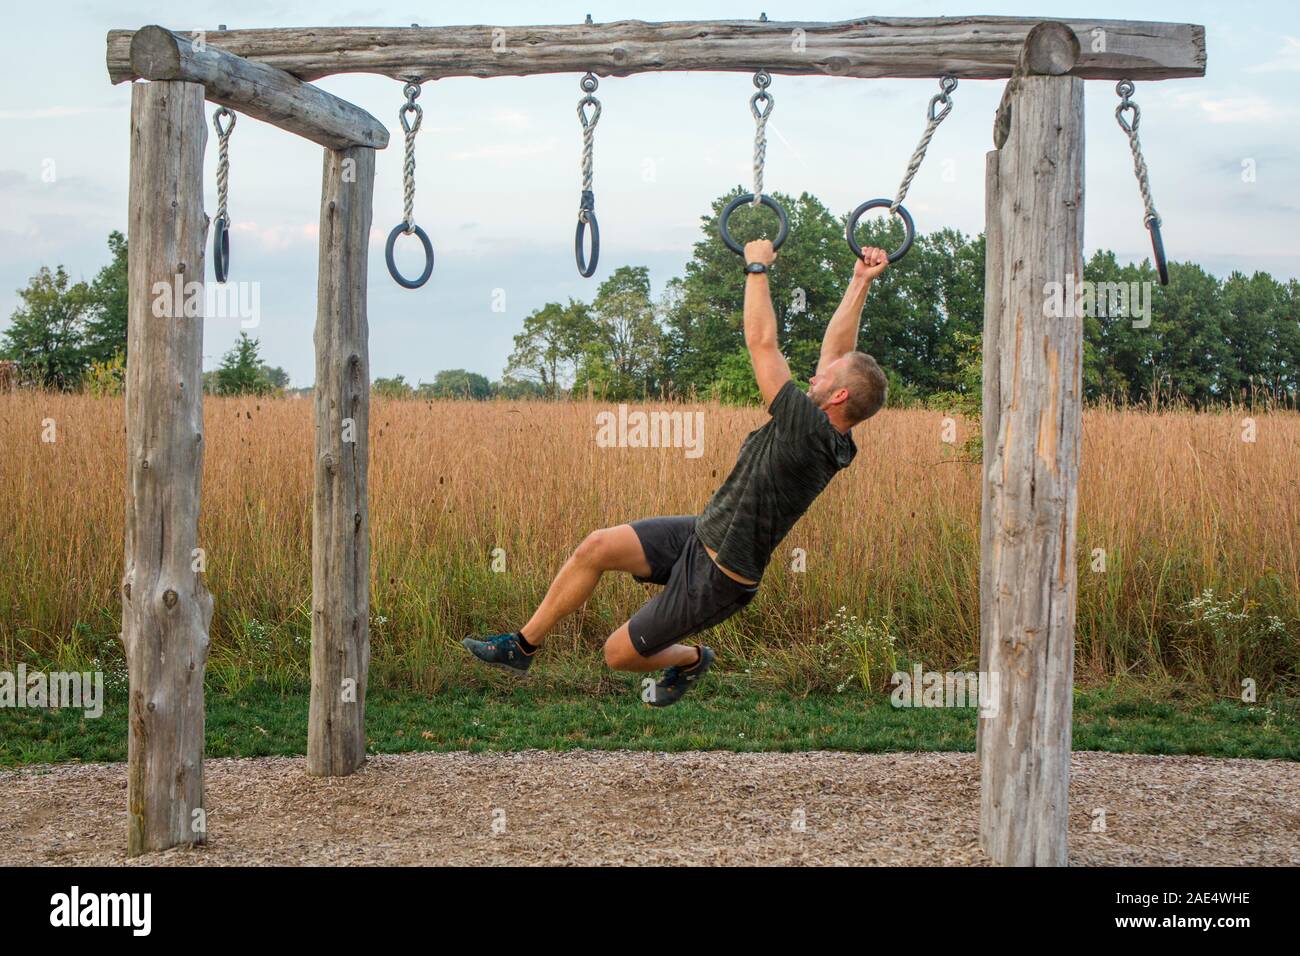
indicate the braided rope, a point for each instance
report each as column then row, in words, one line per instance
column 588, row 84
column 946, row 85
column 761, row 80
column 1125, row 89
column 412, row 90
column 223, row 160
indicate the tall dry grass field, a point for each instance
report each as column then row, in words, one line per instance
column 1171, row 506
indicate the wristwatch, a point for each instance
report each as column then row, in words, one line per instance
column 755, row 267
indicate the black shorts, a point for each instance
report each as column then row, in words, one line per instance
column 696, row 594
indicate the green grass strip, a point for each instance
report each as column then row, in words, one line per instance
column 730, row 715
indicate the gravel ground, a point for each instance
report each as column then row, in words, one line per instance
column 620, row 807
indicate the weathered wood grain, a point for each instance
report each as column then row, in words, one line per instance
column 1032, row 428
column 991, row 407
column 966, row 47
column 166, row 609
column 340, row 546
column 255, row 89
column 1051, row 49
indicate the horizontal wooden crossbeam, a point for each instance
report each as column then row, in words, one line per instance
column 255, row 89
column 965, row 47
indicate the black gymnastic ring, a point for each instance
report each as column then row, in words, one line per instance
column 739, row 201
column 392, row 264
column 909, row 228
column 1158, row 249
column 587, row 269
column 221, row 250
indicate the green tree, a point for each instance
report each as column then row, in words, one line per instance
column 47, row 334
column 924, row 309
column 734, row 382
column 242, row 371
column 106, row 321
column 395, row 387
column 703, row 313
column 1190, row 360
column 547, row 349
column 514, row 388
column 620, row 356
column 458, row 383
column 1262, row 339
column 919, row 317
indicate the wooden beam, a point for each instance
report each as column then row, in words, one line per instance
column 255, row 89
column 340, row 541
column 966, row 47
column 166, row 609
column 1033, row 347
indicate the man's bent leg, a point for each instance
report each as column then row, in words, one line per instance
column 621, row 654
column 609, row 549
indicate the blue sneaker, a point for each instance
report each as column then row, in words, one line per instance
column 676, row 681
column 500, row 650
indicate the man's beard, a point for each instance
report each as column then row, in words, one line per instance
column 818, row 393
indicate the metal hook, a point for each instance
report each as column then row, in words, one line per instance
column 1124, row 89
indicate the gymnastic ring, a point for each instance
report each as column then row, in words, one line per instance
column 221, row 250
column 909, row 228
column 739, row 201
column 1158, row 248
column 392, row 264
column 587, row 269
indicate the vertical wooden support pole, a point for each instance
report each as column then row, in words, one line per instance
column 340, row 564
column 166, row 609
column 1033, row 344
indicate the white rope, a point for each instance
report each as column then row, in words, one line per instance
column 223, row 160
column 412, row 90
column 589, row 84
column 761, row 80
column 946, row 85
column 1125, row 89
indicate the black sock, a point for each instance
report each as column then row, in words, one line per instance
column 523, row 643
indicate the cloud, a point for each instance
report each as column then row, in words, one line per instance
column 1286, row 60
column 276, row 238
column 1235, row 109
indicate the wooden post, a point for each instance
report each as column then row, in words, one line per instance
column 166, row 609
column 1033, row 344
column 340, row 564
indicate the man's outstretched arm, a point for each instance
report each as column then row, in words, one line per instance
column 842, row 330
column 770, row 368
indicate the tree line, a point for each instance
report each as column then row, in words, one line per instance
column 1201, row 341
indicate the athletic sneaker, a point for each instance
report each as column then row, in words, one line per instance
column 500, row 650
column 676, row 681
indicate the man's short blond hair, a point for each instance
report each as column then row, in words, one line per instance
column 867, row 385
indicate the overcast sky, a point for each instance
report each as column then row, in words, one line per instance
column 498, row 176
